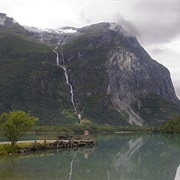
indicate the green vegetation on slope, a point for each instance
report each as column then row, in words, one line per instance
column 31, row 81
column 155, row 105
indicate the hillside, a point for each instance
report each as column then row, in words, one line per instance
column 98, row 72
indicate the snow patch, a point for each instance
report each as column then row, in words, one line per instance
column 53, row 31
column 68, row 31
column 34, row 29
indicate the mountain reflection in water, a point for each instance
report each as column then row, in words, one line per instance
column 116, row 157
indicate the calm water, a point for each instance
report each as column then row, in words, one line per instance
column 116, row 157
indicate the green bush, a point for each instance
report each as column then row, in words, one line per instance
column 6, row 149
column 172, row 126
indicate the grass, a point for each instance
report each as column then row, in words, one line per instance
column 92, row 129
column 7, row 149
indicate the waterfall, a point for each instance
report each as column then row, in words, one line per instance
column 66, row 75
column 71, row 89
column 67, row 80
column 57, row 57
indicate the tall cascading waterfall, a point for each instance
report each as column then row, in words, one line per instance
column 67, row 80
column 66, row 75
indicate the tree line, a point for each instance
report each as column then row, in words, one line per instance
column 172, row 126
column 15, row 124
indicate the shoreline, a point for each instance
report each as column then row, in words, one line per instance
column 27, row 141
column 25, row 147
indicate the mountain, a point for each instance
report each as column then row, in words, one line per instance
column 97, row 74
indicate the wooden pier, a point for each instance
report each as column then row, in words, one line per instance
column 59, row 144
column 74, row 143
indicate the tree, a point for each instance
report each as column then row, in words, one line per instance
column 15, row 124
column 172, row 126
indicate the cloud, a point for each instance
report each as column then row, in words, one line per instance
column 157, row 51
column 152, row 22
column 157, row 21
column 178, row 89
column 94, row 12
column 127, row 25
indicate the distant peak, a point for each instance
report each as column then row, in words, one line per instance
column 2, row 18
column 2, row 15
column 6, row 21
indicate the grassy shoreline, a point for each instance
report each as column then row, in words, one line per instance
column 94, row 129
column 7, row 149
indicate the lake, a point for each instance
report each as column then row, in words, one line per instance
column 116, row 157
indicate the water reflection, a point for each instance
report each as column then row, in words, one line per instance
column 123, row 163
column 177, row 177
column 116, row 157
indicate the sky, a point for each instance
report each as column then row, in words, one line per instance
column 155, row 23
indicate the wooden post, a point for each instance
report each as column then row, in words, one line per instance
column 57, row 145
column 35, row 144
column 70, row 145
column 44, row 144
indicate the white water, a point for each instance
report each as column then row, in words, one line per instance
column 71, row 89
column 57, row 57
column 71, row 167
column 67, row 80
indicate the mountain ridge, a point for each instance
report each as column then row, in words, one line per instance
column 108, row 70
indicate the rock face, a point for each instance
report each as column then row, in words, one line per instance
column 9, row 24
column 134, row 77
column 138, row 87
column 6, row 21
column 114, row 80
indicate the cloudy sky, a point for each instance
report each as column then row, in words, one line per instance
column 155, row 23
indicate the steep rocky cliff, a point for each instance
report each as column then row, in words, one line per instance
column 99, row 72
column 111, row 73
